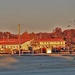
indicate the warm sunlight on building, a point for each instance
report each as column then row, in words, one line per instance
column 45, row 45
column 51, row 43
column 13, row 44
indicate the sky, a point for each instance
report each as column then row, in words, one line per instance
column 36, row 15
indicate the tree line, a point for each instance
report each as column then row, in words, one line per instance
column 68, row 35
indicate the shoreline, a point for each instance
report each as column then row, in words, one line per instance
column 67, row 56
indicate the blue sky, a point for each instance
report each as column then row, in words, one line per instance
column 36, row 15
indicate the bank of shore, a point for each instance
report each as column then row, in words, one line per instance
column 43, row 54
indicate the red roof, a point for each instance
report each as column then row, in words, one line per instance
column 13, row 41
column 50, row 39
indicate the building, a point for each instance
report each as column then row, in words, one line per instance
column 51, row 43
column 44, row 44
column 13, row 44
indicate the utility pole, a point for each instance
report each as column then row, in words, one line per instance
column 19, row 38
column 8, row 36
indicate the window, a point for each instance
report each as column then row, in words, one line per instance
column 10, row 46
column 7, row 46
column 13, row 46
column 16, row 46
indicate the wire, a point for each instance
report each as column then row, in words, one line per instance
column 8, row 27
column 35, row 27
column 26, row 26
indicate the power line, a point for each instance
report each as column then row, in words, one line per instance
column 3, row 28
column 33, row 27
column 26, row 26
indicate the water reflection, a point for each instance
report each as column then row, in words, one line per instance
column 36, row 65
column 6, row 61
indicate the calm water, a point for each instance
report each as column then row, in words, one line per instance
column 36, row 65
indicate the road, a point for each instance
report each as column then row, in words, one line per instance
column 36, row 65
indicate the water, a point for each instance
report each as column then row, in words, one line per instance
column 36, row 65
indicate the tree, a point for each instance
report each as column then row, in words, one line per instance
column 57, row 32
column 25, row 35
column 34, row 43
column 69, row 36
column 33, row 35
